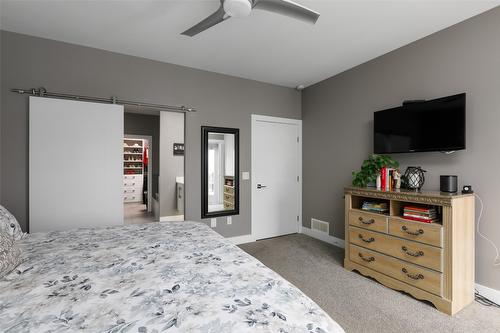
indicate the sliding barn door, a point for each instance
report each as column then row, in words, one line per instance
column 75, row 164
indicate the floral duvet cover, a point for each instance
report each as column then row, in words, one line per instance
column 157, row 277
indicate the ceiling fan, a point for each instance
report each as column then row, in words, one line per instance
column 241, row 8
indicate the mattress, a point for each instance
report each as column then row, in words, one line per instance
column 157, row 277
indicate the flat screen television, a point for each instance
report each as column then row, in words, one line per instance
column 435, row 125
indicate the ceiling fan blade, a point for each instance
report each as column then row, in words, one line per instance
column 287, row 8
column 216, row 18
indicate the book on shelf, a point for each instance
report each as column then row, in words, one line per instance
column 382, row 178
column 421, row 214
column 420, row 219
column 377, row 207
column 387, row 178
column 421, row 209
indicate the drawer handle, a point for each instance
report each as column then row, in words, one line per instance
column 369, row 240
column 412, row 276
column 414, row 233
column 413, row 254
column 370, row 259
column 370, row 221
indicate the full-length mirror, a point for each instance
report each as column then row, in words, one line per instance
column 220, row 171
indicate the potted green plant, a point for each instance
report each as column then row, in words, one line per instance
column 370, row 169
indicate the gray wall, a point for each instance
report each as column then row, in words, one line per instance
column 221, row 100
column 172, row 166
column 338, row 114
column 143, row 124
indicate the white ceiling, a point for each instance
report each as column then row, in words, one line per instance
column 264, row 46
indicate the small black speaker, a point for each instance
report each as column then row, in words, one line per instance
column 449, row 184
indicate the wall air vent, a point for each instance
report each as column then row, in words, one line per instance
column 320, row 226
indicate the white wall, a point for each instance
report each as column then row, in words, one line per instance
column 171, row 166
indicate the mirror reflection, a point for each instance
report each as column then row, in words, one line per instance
column 220, row 148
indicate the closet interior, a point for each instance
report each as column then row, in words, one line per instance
column 136, row 191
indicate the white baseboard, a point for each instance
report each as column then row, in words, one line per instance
column 241, row 239
column 490, row 293
column 173, row 218
column 323, row 237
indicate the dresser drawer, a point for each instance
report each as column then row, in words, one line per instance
column 418, row 231
column 132, row 197
column 417, row 253
column 133, row 183
column 228, row 197
column 419, row 277
column 132, row 177
column 132, row 190
column 228, row 189
column 368, row 220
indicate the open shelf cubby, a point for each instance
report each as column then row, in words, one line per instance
column 397, row 207
column 357, row 203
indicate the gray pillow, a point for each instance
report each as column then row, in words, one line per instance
column 10, row 254
column 9, row 224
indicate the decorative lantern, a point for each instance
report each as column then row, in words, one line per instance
column 414, row 178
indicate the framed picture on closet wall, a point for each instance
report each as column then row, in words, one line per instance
column 178, row 149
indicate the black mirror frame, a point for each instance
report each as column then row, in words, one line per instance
column 205, row 214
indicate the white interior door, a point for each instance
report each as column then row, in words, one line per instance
column 276, row 181
column 75, row 164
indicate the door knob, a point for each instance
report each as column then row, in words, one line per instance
column 261, row 186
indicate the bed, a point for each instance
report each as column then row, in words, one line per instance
column 157, row 277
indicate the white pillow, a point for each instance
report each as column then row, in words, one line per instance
column 9, row 224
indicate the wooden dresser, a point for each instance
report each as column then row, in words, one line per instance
column 430, row 261
column 228, row 192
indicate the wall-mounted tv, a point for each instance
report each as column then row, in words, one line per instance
column 435, row 125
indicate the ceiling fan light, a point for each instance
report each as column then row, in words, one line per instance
column 237, row 8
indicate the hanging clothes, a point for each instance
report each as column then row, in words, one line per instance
column 145, row 160
column 145, row 157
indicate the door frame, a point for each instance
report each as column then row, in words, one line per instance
column 255, row 118
column 221, row 162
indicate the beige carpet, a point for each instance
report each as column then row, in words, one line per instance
column 357, row 303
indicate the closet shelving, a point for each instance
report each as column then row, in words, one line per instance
column 133, row 169
column 133, row 150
